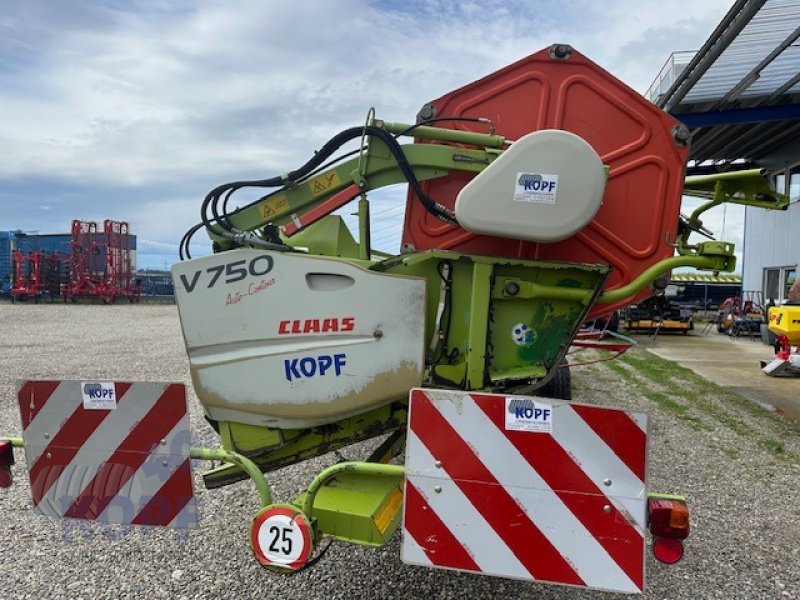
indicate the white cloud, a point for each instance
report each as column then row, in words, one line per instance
column 171, row 98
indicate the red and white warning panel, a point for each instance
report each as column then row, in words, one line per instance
column 110, row 451
column 526, row 488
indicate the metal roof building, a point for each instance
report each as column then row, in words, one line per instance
column 739, row 95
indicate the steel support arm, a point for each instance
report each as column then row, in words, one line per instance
column 377, row 169
column 710, row 262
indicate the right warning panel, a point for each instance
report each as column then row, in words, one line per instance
column 540, row 490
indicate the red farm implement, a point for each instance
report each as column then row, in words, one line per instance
column 101, row 262
column 37, row 274
column 26, row 272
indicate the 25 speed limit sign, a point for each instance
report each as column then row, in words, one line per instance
column 281, row 537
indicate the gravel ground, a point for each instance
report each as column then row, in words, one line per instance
column 736, row 463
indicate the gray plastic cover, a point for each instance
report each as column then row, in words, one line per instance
column 546, row 187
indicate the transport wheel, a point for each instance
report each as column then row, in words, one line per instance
column 560, row 386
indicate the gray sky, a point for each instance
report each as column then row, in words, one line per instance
column 134, row 109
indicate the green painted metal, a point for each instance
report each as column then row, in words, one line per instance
column 243, row 462
column 16, row 442
column 659, row 496
column 487, row 140
column 706, row 278
column 327, row 237
column 745, row 185
column 428, row 161
column 360, row 468
column 505, row 323
column 708, row 260
column 259, row 444
column 364, row 237
column 529, row 290
column 356, row 506
column 485, row 300
column 478, row 326
column 748, row 187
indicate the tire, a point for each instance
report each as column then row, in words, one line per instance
column 613, row 321
column 560, row 386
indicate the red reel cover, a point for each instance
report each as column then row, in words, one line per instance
column 632, row 136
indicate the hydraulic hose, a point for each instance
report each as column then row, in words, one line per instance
column 219, row 224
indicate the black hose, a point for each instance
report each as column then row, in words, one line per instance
column 326, row 151
column 219, row 222
column 183, row 247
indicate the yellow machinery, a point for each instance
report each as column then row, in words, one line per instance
column 784, row 321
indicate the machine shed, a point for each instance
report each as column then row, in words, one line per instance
column 739, row 96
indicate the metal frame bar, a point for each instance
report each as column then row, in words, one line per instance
column 783, row 89
column 763, row 133
column 712, row 262
column 740, row 115
column 711, row 137
column 727, row 30
column 478, row 319
column 734, row 139
column 247, row 465
column 774, row 143
column 209, row 454
column 749, row 79
column 428, row 161
column 363, row 468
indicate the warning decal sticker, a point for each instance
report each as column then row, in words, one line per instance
column 273, row 205
column 324, row 182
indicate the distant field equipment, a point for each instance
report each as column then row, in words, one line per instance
column 101, row 263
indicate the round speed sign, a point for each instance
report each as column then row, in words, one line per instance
column 281, row 537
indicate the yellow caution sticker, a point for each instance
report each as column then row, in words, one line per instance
column 324, row 182
column 273, row 205
column 386, row 513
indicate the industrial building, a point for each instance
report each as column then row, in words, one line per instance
column 740, row 97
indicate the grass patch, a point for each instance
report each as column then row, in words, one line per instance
column 731, row 452
column 772, row 445
column 645, row 369
column 663, row 400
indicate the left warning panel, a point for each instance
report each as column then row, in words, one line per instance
column 115, row 452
